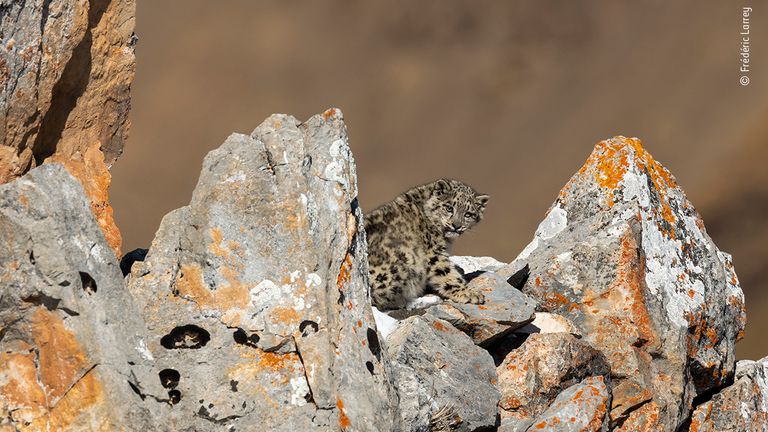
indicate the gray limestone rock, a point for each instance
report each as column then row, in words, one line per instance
column 73, row 352
column 256, row 296
column 437, row 366
column 505, row 309
column 623, row 254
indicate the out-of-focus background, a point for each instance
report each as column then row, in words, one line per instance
column 509, row 96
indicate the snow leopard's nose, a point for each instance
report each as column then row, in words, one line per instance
column 456, row 226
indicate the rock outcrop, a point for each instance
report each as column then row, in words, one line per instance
column 438, row 367
column 532, row 376
column 625, row 256
column 256, row 293
column 504, row 310
column 66, row 68
column 70, row 355
column 251, row 309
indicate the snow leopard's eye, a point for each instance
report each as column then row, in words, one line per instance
column 448, row 208
column 469, row 215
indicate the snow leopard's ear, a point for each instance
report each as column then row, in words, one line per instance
column 482, row 200
column 442, row 187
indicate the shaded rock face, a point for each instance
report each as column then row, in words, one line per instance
column 532, row 376
column 625, row 256
column 66, row 69
column 69, row 352
column 436, row 366
column 742, row 406
column 255, row 294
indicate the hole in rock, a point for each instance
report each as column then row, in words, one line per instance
column 174, row 397
column 354, row 205
column 373, row 343
column 126, row 262
column 369, row 365
column 308, row 327
column 169, row 378
column 188, row 336
column 520, row 277
column 89, row 285
column 243, row 338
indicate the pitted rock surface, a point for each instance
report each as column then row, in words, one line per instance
column 256, row 292
column 73, row 353
column 623, row 253
column 436, row 366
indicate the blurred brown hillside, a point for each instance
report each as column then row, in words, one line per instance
column 509, row 96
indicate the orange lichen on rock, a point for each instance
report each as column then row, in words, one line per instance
column 20, row 393
column 82, row 404
column 644, row 419
column 52, row 386
column 285, row 315
column 60, row 357
column 345, row 274
column 190, row 285
column 330, row 112
column 344, row 422
column 609, row 163
column 277, row 362
column 439, row 326
column 93, row 175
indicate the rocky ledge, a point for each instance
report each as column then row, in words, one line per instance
column 251, row 309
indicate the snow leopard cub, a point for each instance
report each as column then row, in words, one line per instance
column 409, row 240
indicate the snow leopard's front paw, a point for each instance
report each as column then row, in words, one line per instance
column 467, row 295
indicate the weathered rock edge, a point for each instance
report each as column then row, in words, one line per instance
column 72, row 348
column 625, row 256
column 256, row 293
column 66, row 69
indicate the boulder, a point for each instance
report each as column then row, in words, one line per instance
column 66, row 68
column 741, row 406
column 531, row 376
column 582, row 407
column 625, row 256
column 438, row 369
column 73, row 352
column 256, row 296
column 504, row 310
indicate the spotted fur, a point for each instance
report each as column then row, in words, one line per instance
column 409, row 240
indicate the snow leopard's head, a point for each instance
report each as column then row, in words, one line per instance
column 454, row 206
